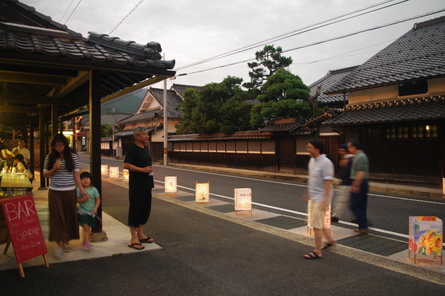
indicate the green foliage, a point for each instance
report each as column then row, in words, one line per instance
column 269, row 61
column 215, row 108
column 105, row 130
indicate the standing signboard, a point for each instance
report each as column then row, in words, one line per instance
column 25, row 233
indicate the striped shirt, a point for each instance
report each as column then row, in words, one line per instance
column 63, row 180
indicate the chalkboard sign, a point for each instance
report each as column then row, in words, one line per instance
column 24, row 227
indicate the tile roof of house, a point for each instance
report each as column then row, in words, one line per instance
column 428, row 108
column 281, row 127
column 143, row 116
column 418, row 54
column 244, row 135
column 326, row 82
column 181, row 88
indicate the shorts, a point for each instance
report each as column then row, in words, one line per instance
column 85, row 219
column 317, row 216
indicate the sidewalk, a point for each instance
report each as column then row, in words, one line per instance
column 383, row 252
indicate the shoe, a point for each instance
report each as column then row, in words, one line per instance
column 146, row 240
column 361, row 231
column 354, row 221
column 327, row 246
column 66, row 248
column 312, row 255
column 334, row 219
column 87, row 246
column 59, row 252
column 133, row 246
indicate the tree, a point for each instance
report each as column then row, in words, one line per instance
column 269, row 61
column 284, row 95
column 214, row 108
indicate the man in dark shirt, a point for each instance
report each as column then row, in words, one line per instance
column 138, row 162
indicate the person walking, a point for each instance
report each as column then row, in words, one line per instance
column 359, row 186
column 320, row 191
column 62, row 167
column 138, row 162
column 340, row 203
column 87, row 207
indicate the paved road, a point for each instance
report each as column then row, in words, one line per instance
column 205, row 254
column 388, row 213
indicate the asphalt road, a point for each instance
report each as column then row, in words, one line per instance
column 388, row 213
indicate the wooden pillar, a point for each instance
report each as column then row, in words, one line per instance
column 31, row 147
column 54, row 119
column 42, row 155
column 94, row 110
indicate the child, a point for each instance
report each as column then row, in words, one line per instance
column 21, row 166
column 87, row 207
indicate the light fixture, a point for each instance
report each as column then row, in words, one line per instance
column 425, row 237
column 171, row 185
column 202, row 192
column 114, row 172
column 126, row 175
column 104, row 169
column 243, row 200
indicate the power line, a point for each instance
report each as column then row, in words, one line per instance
column 327, row 40
column 73, row 11
column 66, row 11
column 131, row 11
column 299, row 31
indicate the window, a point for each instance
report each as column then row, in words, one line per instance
column 413, row 88
column 427, row 131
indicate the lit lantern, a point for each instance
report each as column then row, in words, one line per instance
column 114, row 172
column 126, row 174
column 425, row 236
column 327, row 218
column 202, row 192
column 171, row 186
column 243, row 200
column 104, row 169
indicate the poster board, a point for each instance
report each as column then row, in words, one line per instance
column 26, row 235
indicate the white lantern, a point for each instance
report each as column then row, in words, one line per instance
column 243, row 200
column 104, row 169
column 114, row 172
column 202, row 192
column 126, row 174
column 171, row 185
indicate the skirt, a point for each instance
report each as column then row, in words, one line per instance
column 63, row 222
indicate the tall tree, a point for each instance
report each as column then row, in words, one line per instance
column 269, row 60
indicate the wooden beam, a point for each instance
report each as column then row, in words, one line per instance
column 25, row 99
column 32, row 78
column 10, row 109
column 71, row 84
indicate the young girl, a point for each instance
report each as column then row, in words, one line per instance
column 87, row 207
column 22, row 166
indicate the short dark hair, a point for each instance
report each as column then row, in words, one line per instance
column 317, row 143
column 86, row 175
column 356, row 144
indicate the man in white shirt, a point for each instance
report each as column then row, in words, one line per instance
column 21, row 149
column 320, row 191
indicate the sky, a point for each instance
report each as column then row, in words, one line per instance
column 192, row 31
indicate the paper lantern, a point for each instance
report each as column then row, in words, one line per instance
column 126, row 175
column 171, row 185
column 243, row 200
column 425, row 236
column 104, row 169
column 114, row 172
column 202, row 192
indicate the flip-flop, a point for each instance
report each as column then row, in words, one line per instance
column 136, row 244
column 312, row 255
column 327, row 246
column 146, row 240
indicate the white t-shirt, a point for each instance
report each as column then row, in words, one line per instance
column 320, row 170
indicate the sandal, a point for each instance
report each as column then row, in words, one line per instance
column 133, row 246
column 312, row 255
column 361, row 231
column 327, row 246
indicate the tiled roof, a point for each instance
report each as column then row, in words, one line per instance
column 181, row 88
column 280, row 127
column 143, row 116
column 418, row 54
column 326, row 82
column 173, row 100
column 97, row 47
column 429, row 108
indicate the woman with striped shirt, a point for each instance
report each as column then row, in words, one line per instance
column 63, row 168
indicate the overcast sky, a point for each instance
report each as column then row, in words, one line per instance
column 191, row 31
